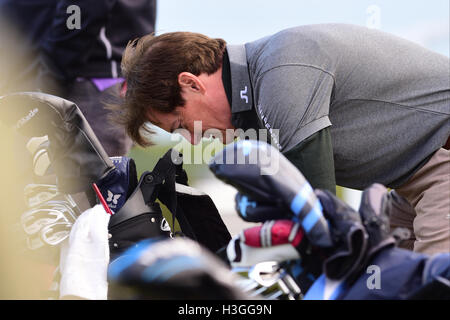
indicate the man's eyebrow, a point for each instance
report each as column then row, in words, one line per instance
column 152, row 121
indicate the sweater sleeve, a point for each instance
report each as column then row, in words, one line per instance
column 314, row 158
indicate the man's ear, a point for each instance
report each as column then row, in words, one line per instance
column 190, row 82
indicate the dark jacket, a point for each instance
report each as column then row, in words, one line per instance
column 96, row 48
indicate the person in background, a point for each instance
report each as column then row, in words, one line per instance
column 70, row 49
column 75, row 50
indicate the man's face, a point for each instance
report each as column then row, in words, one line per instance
column 206, row 110
column 192, row 121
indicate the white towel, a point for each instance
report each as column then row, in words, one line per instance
column 85, row 257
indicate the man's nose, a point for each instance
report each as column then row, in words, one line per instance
column 195, row 140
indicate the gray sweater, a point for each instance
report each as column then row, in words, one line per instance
column 386, row 99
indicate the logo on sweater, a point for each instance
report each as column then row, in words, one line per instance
column 244, row 94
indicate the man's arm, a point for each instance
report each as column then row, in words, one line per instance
column 295, row 99
column 314, row 158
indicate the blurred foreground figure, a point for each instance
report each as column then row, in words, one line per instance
column 69, row 158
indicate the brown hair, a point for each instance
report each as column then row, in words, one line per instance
column 151, row 66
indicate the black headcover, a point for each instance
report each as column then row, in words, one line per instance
column 140, row 217
column 195, row 211
column 78, row 159
column 261, row 172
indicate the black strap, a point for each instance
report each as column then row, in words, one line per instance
column 164, row 175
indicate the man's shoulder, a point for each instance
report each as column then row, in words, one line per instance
column 305, row 46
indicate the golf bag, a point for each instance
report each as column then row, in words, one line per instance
column 139, row 216
column 77, row 160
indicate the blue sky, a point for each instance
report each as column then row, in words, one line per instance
column 238, row 21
